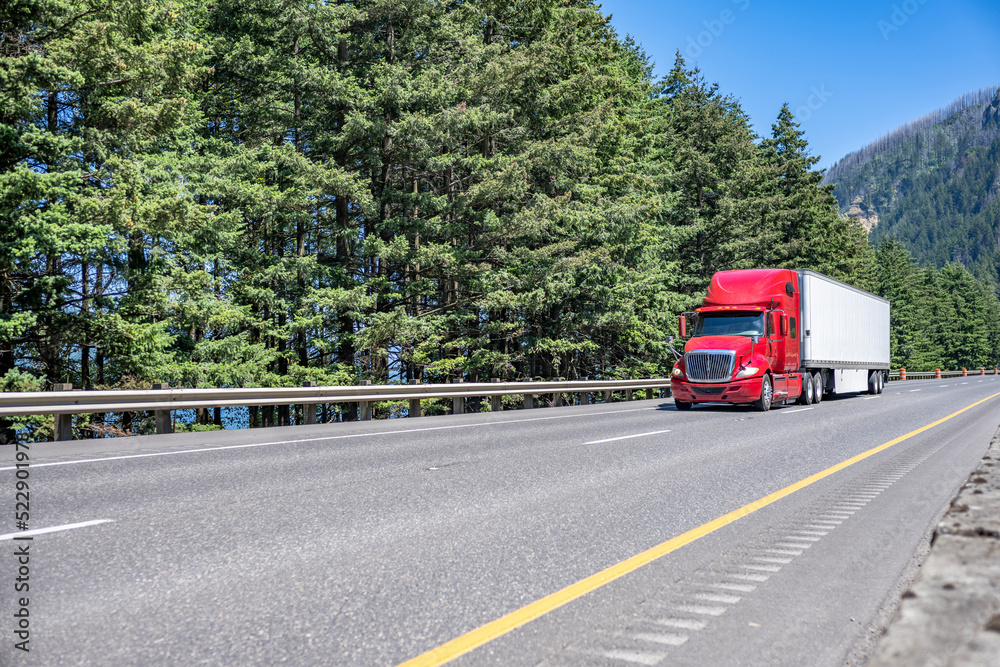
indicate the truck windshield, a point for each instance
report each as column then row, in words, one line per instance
column 730, row 324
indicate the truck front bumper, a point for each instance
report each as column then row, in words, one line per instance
column 735, row 391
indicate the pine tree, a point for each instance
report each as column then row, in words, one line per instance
column 969, row 339
column 802, row 213
column 89, row 92
column 715, row 177
column 911, row 345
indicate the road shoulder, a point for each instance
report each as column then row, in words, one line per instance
column 951, row 613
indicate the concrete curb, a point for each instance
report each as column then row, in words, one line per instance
column 951, row 614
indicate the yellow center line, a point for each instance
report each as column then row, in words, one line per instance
column 486, row 633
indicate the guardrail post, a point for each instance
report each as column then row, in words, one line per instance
column 496, row 402
column 607, row 395
column 529, row 401
column 628, row 392
column 63, row 426
column 309, row 409
column 557, row 396
column 365, row 407
column 163, row 422
column 414, row 410
column 458, row 402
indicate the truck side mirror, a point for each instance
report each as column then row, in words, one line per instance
column 682, row 326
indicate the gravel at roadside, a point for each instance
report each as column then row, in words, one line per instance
column 951, row 614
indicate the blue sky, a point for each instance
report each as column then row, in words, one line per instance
column 851, row 70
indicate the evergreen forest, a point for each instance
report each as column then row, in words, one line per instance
column 245, row 194
column 933, row 184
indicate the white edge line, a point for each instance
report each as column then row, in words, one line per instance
column 625, row 437
column 53, row 529
column 327, row 437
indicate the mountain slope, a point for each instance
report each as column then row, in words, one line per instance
column 933, row 184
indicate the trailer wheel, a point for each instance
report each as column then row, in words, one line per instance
column 682, row 405
column 808, row 396
column 817, row 380
column 763, row 404
column 881, row 382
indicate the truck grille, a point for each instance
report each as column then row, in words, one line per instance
column 709, row 365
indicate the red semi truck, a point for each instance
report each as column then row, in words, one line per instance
column 777, row 335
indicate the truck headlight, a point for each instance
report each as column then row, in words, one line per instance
column 677, row 373
column 747, row 371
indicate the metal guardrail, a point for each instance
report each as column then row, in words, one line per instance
column 65, row 402
column 931, row 375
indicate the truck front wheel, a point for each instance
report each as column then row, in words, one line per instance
column 682, row 405
column 763, row 404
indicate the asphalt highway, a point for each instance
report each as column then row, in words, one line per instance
column 375, row 543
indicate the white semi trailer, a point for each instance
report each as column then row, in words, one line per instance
column 845, row 334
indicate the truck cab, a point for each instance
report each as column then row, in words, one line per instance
column 745, row 344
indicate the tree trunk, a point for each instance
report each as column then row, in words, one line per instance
column 85, row 328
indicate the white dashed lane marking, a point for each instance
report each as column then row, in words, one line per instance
column 53, row 529
column 626, row 437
